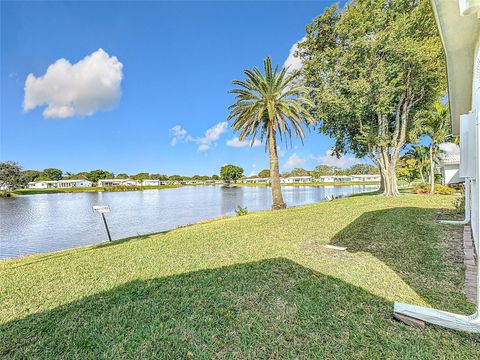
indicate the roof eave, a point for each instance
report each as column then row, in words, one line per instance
column 459, row 35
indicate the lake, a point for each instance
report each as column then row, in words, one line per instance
column 42, row 223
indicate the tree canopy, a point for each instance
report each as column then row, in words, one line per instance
column 52, row 174
column 371, row 68
column 231, row 172
column 10, row 175
column 265, row 173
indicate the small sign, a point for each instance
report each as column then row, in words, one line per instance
column 333, row 247
column 101, row 209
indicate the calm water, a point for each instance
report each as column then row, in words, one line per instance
column 42, row 223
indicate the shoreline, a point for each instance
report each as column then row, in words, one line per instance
column 21, row 192
column 200, row 222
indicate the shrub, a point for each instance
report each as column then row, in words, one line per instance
column 421, row 189
column 240, row 211
column 439, row 189
column 459, row 202
column 444, row 190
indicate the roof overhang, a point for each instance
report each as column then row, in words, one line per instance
column 459, row 28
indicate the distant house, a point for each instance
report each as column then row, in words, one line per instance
column 256, row 180
column 298, row 179
column 335, row 178
column 450, row 167
column 374, row 177
column 326, row 178
column 116, row 182
column 348, row 178
column 150, row 182
column 343, row 178
column 262, row 180
column 59, row 184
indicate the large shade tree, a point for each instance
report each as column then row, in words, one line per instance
column 270, row 106
column 231, row 172
column 371, row 68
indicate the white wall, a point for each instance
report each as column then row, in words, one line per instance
column 450, row 174
column 476, row 182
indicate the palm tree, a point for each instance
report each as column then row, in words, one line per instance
column 421, row 156
column 436, row 125
column 268, row 106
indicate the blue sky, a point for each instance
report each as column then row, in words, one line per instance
column 172, row 63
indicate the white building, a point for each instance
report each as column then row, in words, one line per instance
column 298, row 179
column 326, row 178
column 150, row 182
column 116, row 182
column 59, row 184
column 348, row 178
column 256, row 181
column 450, row 169
column 372, row 178
column 458, row 22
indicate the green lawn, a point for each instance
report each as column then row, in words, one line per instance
column 256, row 286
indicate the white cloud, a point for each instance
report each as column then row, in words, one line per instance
column 450, row 149
column 294, row 161
column 331, row 160
column 203, row 147
column 280, row 152
column 83, row 88
column 211, row 136
column 178, row 134
column 237, row 143
column 295, row 63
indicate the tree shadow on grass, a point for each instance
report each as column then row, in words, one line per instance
column 427, row 255
column 268, row 309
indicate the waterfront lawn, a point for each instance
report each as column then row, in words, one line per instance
column 256, row 286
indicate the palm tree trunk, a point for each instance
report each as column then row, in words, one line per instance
column 421, row 174
column 432, row 171
column 277, row 197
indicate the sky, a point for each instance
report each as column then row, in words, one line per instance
column 142, row 86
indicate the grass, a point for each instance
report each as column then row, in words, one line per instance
column 89, row 189
column 255, row 286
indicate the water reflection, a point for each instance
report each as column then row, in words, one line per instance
column 43, row 223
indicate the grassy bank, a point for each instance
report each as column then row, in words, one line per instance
column 256, row 286
column 89, row 189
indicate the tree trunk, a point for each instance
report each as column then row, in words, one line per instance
column 432, row 172
column 421, row 174
column 277, row 197
column 382, row 182
column 388, row 174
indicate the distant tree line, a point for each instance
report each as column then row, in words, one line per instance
column 325, row 170
column 12, row 176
